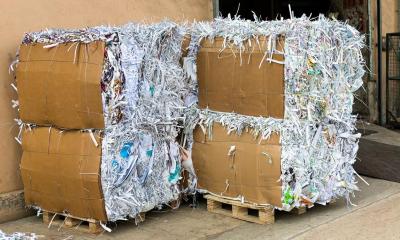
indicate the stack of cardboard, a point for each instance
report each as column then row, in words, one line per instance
column 228, row 85
column 59, row 94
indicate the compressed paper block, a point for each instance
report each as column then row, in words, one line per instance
column 293, row 77
column 126, row 83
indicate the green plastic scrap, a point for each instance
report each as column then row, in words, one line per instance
column 313, row 71
column 288, row 197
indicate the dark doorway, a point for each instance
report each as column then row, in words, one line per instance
column 272, row 9
column 355, row 12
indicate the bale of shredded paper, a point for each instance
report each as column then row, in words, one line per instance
column 323, row 68
column 144, row 94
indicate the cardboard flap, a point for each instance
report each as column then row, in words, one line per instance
column 60, row 86
column 61, row 171
column 64, row 52
column 253, row 171
column 233, row 82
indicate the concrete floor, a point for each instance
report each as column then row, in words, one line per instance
column 376, row 216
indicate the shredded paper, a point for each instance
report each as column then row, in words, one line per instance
column 323, row 67
column 149, row 93
column 18, row 236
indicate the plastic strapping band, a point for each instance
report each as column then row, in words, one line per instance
column 105, row 227
column 93, row 138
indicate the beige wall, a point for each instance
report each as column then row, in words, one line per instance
column 19, row 16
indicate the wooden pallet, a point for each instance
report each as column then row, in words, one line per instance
column 140, row 218
column 69, row 221
column 299, row 210
column 244, row 211
column 81, row 224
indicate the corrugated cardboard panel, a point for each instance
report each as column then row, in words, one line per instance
column 61, row 172
column 248, row 173
column 61, row 88
column 229, row 83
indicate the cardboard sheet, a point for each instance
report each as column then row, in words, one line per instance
column 60, row 86
column 227, row 85
column 61, row 172
column 249, row 173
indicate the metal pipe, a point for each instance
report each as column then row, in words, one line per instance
column 387, row 79
column 371, row 77
column 379, row 82
column 371, row 40
column 215, row 8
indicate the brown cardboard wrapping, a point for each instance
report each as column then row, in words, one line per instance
column 248, row 173
column 60, row 86
column 61, row 172
column 226, row 84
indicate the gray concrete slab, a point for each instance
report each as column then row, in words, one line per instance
column 376, row 216
column 379, row 134
column 379, row 153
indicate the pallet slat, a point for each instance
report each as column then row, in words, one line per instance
column 264, row 214
column 299, row 210
column 80, row 224
column 68, row 221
